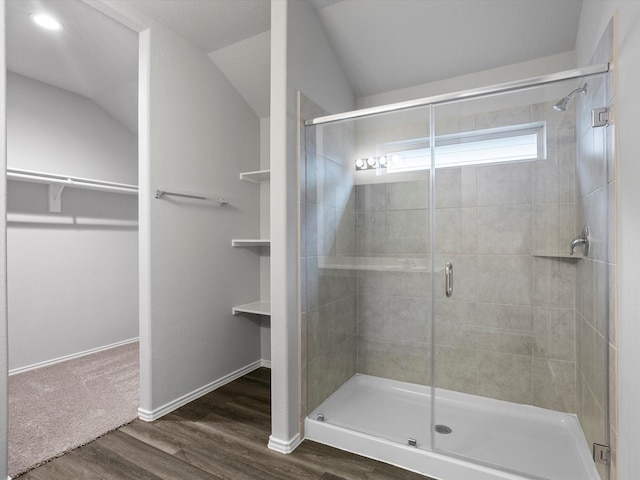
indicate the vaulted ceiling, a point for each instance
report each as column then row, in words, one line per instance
column 382, row 45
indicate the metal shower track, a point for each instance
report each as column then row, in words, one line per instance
column 463, row 94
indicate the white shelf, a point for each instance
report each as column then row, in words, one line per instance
column 57, row 184
column 377, row 264
column 575, row 256
column 257, row 308
column 250, row 242
column 258, row 176
column 70, row 181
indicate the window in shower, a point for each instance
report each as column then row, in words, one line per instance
column 479, row 147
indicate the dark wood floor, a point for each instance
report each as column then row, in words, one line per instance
column 222, row 435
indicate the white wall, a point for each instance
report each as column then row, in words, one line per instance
column 3, row 253
column 72, row 276
column 301, row 59
column 516, row 71
column 57, row 131
column 196, row 135
column 594, row 18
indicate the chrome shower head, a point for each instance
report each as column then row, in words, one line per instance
column 563, row 104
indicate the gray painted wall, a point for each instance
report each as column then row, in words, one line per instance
column 72, row 276
column 197, row 135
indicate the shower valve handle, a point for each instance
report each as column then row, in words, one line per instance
column 448, row 279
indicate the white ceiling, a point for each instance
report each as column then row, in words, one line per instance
column 247, row 66
column 92, row 56
column 382, row 45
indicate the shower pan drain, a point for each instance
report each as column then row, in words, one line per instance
column 443, row 429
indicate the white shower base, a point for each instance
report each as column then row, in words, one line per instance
column 375, row 417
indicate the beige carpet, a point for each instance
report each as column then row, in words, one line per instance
column 57, row 408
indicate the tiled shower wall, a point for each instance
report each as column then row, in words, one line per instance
column 508, row 330
column 393, row 305
column 595, row 337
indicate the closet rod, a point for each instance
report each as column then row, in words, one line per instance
column 161, row 193
column 70, row 181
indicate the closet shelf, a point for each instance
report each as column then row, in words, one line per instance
column 250, row 242
column 258, row 176
column 70, row 181
column 257, row 308
column 57, row 183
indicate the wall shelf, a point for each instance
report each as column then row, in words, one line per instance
column 256, row 308
column 258, row 176
column 575, row 256
column 376, row 264
column 250, row 242
column 57, row 183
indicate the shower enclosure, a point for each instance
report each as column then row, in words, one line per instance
column 448, row 328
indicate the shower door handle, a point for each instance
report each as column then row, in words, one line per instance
column 448, row 279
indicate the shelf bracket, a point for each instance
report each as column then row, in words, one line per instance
column 55, row 197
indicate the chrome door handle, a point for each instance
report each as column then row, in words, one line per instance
column 448, row 279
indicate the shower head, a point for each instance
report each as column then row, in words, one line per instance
column 563, row 104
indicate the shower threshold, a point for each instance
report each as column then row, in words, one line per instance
column 390, row 421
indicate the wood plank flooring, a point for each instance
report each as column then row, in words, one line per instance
column 221, row 436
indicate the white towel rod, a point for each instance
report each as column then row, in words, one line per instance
column 161, row 193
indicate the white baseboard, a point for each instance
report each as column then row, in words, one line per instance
column 265, row 363
column 284, row 446
column 151, row 415
column 71, row 357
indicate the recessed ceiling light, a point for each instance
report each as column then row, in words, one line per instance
column 46, row 21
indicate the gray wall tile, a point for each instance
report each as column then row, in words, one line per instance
column 390, row 358
column 508, row 184
column 456, row 369
column 504, row 230
column 554, row 333
column 554, row 385
column 505, row 377
column 505, row 279
column 456, row 230
column 506, row 317
column 554, row 282
column 407, row 195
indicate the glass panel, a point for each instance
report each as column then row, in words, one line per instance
column 594, row 188
column 519, row 349
column 367, row 282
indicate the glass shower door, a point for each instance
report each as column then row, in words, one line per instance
column 515, row 355
column 367, row 281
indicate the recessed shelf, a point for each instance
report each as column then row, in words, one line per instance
column 257, row 308
column 258, row 176
column 378, row 264
column 250, row 242
column 575, row 256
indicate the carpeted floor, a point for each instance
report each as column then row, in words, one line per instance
column 57, row 408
